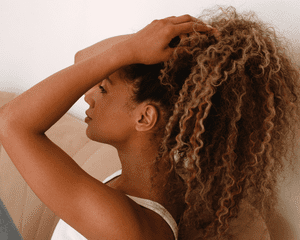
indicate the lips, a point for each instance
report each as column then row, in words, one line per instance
column 88, row 115
column 87, row 119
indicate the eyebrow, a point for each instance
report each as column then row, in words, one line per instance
column 109, row 80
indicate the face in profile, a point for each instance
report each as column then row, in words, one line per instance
column 111, row 120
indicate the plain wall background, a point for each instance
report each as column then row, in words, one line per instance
column 39, row 38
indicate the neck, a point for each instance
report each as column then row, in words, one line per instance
column 137, row 162
column 135, row 180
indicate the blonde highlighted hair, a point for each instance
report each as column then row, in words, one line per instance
column 228, row 107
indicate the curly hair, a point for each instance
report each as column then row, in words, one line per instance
column 227, row 106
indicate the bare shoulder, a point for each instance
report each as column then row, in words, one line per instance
column 104, row 213
column 156, row 228
column 108, row 212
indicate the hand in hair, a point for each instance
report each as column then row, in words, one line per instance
column 151, row 44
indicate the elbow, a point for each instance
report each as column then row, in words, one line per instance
column 78, row 57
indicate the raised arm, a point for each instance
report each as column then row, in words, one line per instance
column 97, row 48
column 37, row 109
column 86, row 204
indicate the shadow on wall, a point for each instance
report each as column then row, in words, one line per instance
column 280, row 228
column 285, row 223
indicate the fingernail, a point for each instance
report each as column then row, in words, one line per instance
column 209, row 26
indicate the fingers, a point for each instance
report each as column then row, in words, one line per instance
column 189, row 27
column 187, row 24
column 183, row 19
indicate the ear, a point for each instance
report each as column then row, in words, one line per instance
column 146, row 118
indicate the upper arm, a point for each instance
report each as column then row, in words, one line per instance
column 86, row 204
column 105, row 209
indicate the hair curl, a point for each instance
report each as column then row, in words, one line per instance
column 226, row 106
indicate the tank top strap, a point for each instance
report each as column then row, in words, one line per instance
column 160, row 210
column 114, row 175
column 154, row 206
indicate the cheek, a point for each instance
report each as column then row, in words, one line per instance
column 109, row 129
column 110, row 122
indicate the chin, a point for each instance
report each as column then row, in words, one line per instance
column 94, row 137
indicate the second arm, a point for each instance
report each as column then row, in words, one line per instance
column 37, row 109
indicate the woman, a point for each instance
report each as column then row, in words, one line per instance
column 198, row 128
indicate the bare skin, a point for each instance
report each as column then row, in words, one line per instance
column 128, row 132
column 92, row 208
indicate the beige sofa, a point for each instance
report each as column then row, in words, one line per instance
column 35, row 221
column 32, row 218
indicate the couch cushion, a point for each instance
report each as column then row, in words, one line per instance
column 69, row 134
column 5, row 97
column 32, row 218
column 98, row 160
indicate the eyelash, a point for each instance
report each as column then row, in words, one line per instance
column 102, row 89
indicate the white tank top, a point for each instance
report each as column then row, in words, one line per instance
column 63, row 231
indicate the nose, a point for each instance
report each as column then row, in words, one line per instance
column 88, row 97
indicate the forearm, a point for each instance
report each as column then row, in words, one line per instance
column 37, row 109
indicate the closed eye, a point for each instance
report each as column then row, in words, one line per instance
column 102, row 89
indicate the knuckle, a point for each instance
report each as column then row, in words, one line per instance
column 170, row 29
column 188, row 16
column 164, row 21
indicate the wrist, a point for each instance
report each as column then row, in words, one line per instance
column 124, row 53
